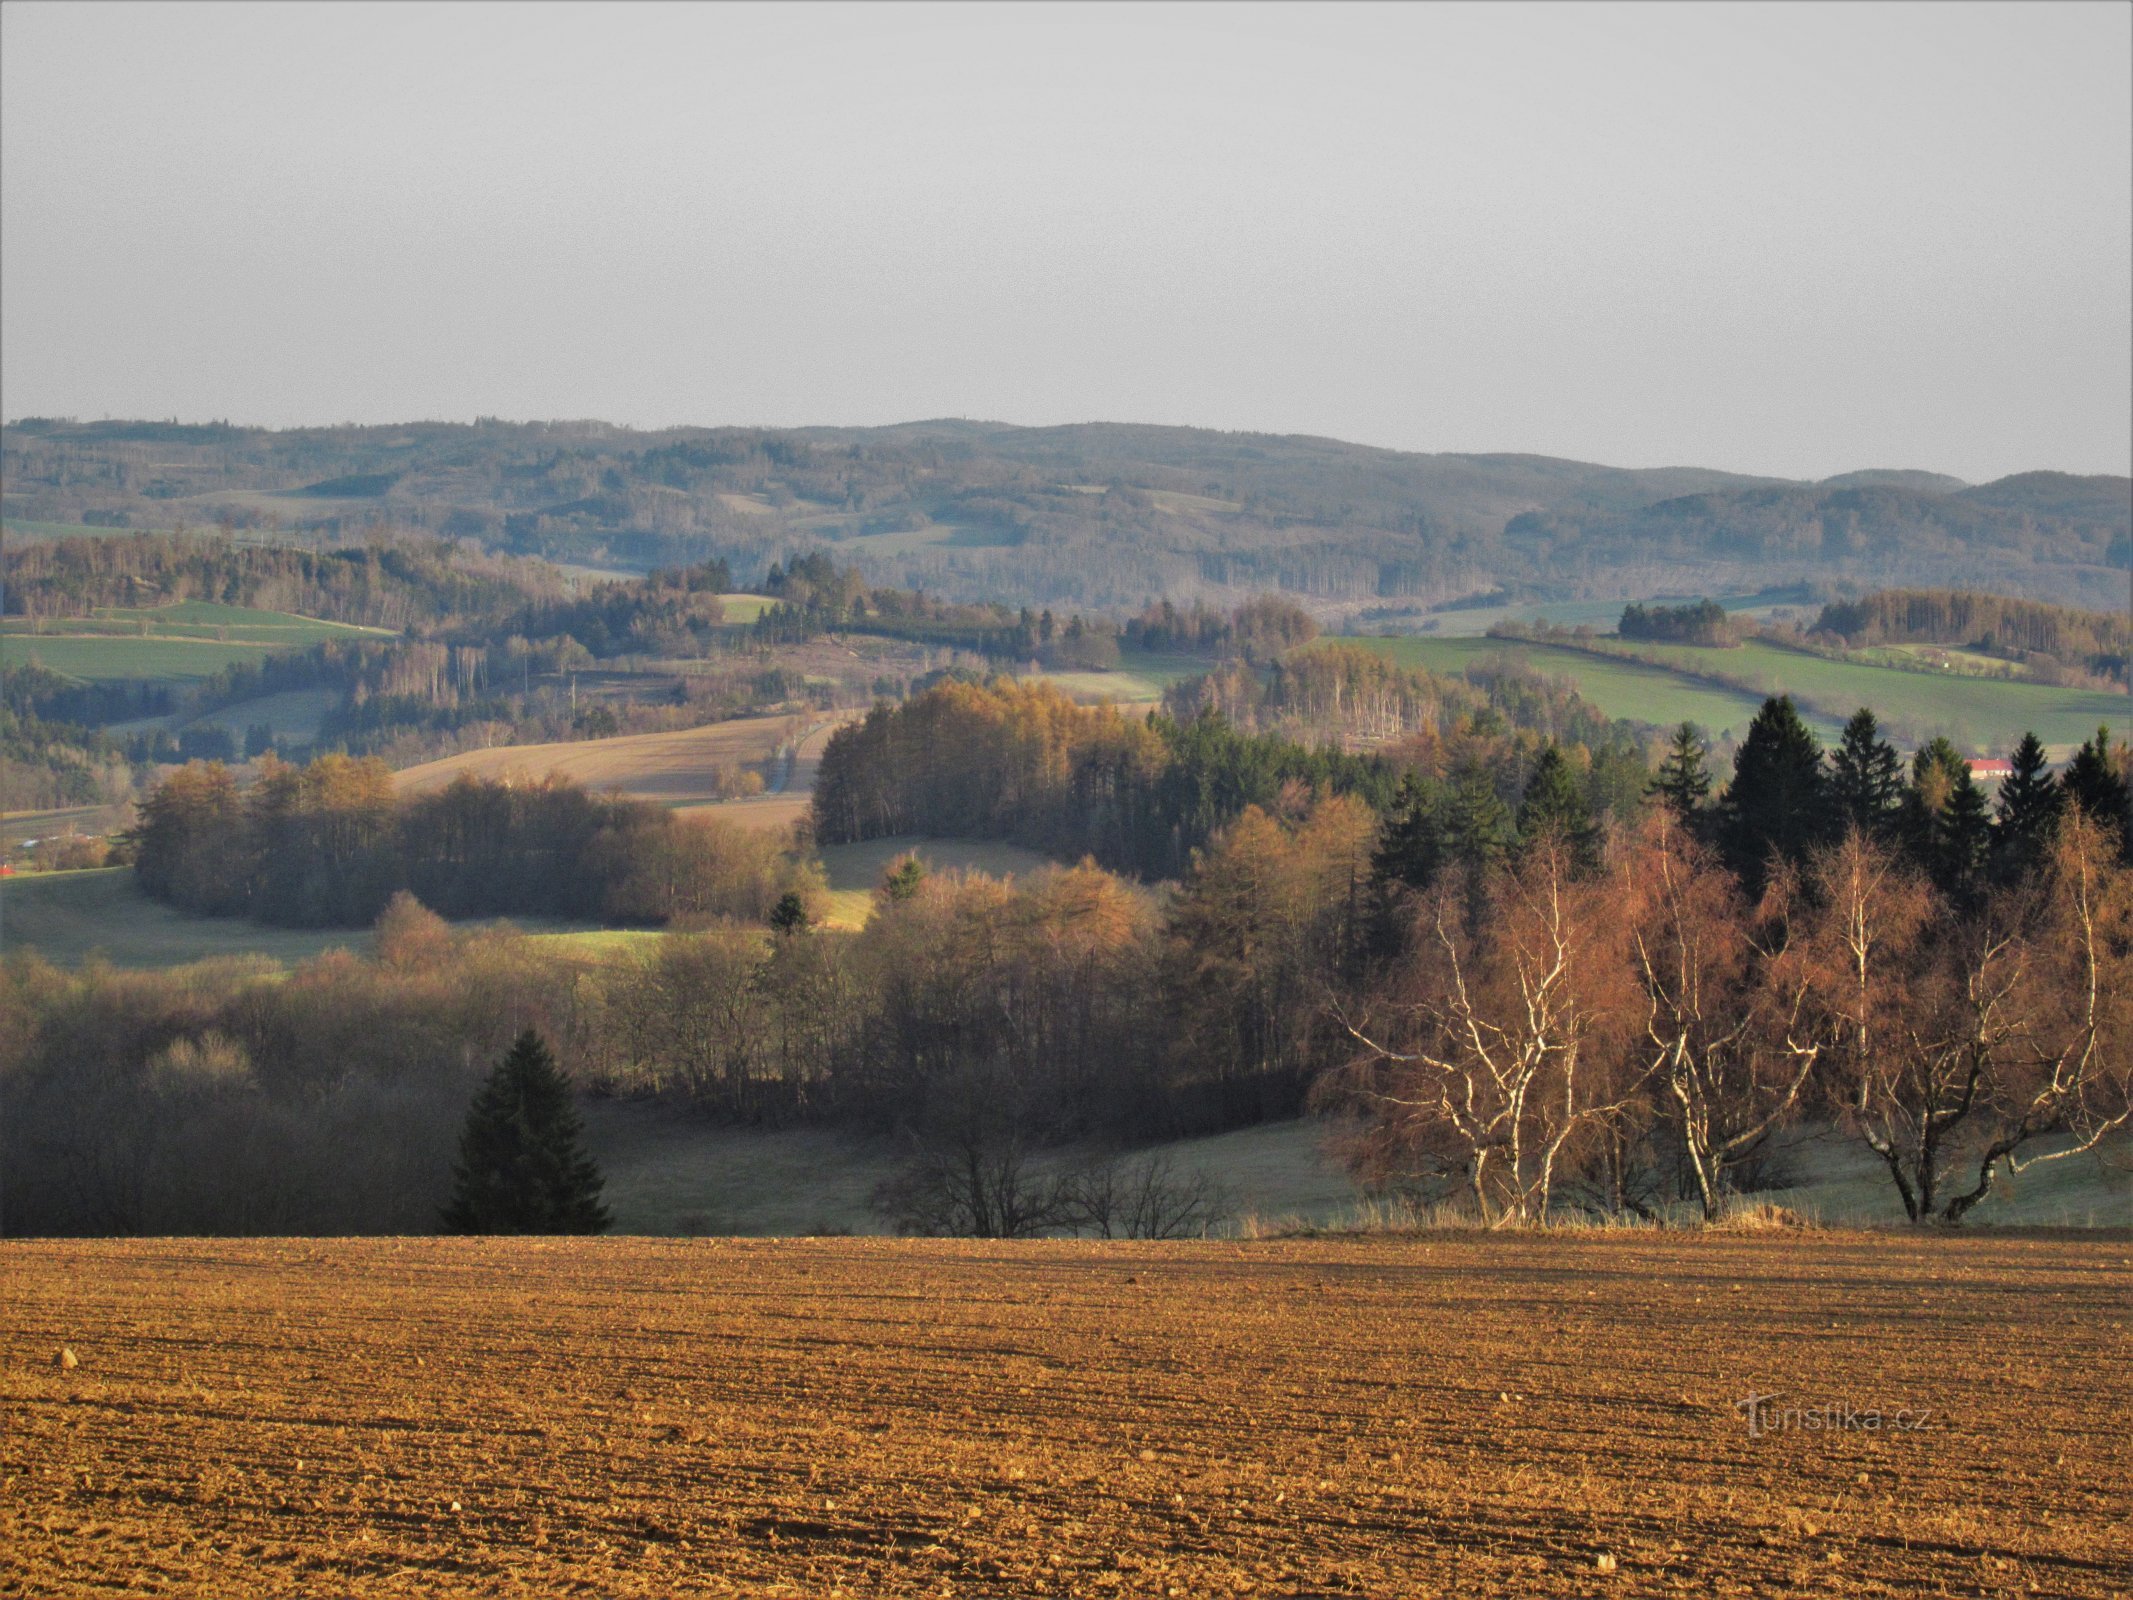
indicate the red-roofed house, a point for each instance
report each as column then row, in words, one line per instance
column 1992, row 768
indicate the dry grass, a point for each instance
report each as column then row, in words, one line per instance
column 669, row 768
column 1446, row 1415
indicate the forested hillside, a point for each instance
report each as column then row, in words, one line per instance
column 1098, row 515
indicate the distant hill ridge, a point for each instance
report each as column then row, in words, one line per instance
column 1086, row 514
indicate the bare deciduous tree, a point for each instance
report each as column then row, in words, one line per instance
column 1496, row 1058
column 1722, row 1001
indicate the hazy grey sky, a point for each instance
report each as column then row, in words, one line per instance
column 1793, row 239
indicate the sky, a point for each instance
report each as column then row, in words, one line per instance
column 1794, row 240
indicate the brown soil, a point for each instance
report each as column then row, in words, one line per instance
column 1450, row 1415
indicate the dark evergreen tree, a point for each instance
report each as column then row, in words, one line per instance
column 1412, row 848
column 2028, row 809
column 520, row 1167
column 902, row 879
column 2093, row 784
column 789, row 915
column 1683, row 781
column 1778, row 802
column 1554, row 802
column 1946, row 827
column 1866, row 777
column 1477, row 825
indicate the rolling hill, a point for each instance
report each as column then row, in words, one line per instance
column 1097, row 515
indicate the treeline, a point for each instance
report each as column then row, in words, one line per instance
column 669, row 612
column 1140, row 794
column 1009, row 760
column 1257, row 632
column 1357, row 698
column 2022, row 630
column 329, row 844
column 1702, row 622
column 388, row 583
column 1532, row 1010
column 977, row 1020
column 815, row 596
column 1096, row 516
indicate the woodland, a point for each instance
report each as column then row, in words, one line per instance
column 1097, row 516
column 1532, row 977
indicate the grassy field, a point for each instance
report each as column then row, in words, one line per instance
column 1982, row 715
column 1619, row 688
column 294, row 715
column 1103, row 688
column 1599, row 615
column 855, row 869
column 93, row 659
column 669, row 1174
column 745, row 607
column 67, row 916
column 669, row 768
column 192, row 639
column 16, row 826
column 1552, row 1418
column 28, row 529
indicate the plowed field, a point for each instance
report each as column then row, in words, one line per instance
column 1451, row 1415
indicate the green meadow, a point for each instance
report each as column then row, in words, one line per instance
column 1627, row 689
column 66, row 917
column 1719, row 690
column 192, row 639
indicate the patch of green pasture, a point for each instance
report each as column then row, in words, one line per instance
column 1120, row 688
column 671, row 1173
column 127, row 658
column 29, row 528
column 1625, row 689
column 215, row 614
column 1162, row 670
column 598, row 943
column 295, row 714
column 68, row 916
column 1981, row 715
column 745, row 607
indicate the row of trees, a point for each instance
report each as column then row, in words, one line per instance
column 1787, row 800
column 1701, row 622
column 328, row 844
column 1258, row 632
column 1021, row 761
column 2022, row 629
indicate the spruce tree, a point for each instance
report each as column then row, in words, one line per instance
column 1778, row 802
column 2093, row 783
column 1413, row 847
column 1946, row 827
column 1866, row 777
column 2028, row 809
column 789, row 915
column 1554, row 802
column 1683, row 781
column 520, row 1167
column 901, row 882
column 1476, row 824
